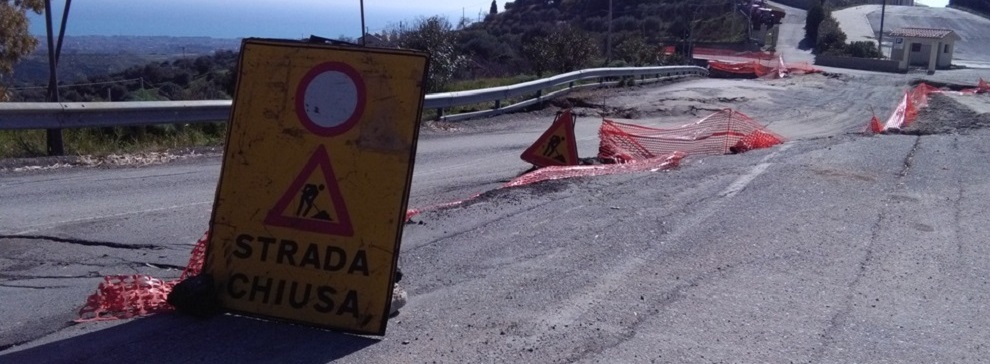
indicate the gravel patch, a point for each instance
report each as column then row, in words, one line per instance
column 944, row 115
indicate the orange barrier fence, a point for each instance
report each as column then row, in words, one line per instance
column 981, row 88
column 723, row 54
column 127, row 296
column 774, row 67
column 724, row 132
column 723, row 63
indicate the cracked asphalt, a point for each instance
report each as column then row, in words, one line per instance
column 840, row 248
column 834, row 247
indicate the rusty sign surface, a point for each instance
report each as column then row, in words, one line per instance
column 315, row 181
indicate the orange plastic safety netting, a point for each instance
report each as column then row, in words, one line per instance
column 662, row 162
column 727, row 131
column 656, row 163
column 981, row 88
column 127, row 296
column 758, row 66
column 725, row 55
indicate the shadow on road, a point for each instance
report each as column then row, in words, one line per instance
column 806, row 44
column 174, row 338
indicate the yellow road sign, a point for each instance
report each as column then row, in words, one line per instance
column 315, row 180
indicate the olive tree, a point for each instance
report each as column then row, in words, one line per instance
column 562, row 49
column 15, row 41
column 435, row 35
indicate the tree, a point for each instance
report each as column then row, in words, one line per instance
column 537, row 50
column 494, row 8
column 565, row 48
column 831, row 39
column 635, row 51
column 15, row 41
column 435, row 36
column 816, row 14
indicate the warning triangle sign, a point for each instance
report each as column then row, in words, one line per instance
column 313, row 201
column 557, row 146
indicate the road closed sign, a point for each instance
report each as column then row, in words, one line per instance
column 316, row 172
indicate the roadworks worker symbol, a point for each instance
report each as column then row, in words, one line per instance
column 313, row 201
column 557, row 146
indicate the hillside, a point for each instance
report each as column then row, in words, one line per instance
column 981, row 7
column 651, row 19
column 503, row 44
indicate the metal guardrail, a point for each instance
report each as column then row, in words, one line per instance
column 65, row 115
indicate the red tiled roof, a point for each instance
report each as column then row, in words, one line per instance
column 921, row 33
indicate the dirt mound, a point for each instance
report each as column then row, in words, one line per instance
column 945, row 115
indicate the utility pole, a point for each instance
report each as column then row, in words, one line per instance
column 363, row 37
column 608, row 41
column 883, row 13
column 53, row 136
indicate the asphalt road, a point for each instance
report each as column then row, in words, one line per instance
column 841, row 249
column 790, row 42
column 834, row 247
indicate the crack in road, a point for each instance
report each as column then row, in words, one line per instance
column 838, row 320
column 957, row 208
column 31, row 287
column 22, row 277
column 909, row 158
column 83, row 242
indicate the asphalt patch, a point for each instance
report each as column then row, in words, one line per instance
column 946, row 116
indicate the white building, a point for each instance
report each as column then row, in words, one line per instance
column 926, row 47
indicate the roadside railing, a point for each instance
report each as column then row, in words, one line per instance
column 66, row 115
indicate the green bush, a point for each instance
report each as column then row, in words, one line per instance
column 863, row 49
column 831, row 39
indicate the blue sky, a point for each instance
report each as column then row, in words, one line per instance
column 258, row 18
column 248, row 18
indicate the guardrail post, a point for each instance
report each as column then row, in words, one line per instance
column 439, row 114
column 570, row 85
column 498, row 104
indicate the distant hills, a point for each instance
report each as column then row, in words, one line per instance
column 84, row 57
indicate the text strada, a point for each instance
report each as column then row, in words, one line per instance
column 322, row 298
